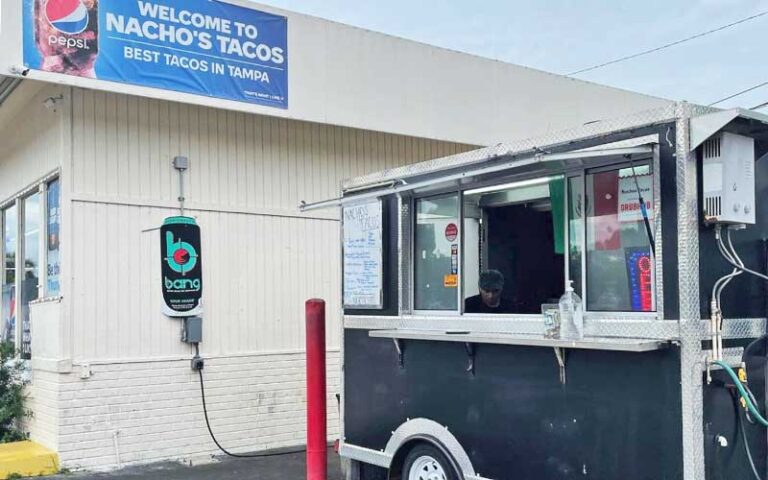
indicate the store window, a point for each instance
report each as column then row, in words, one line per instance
column 620, row 267
column 436, row 262
column 10, row 233
column 516, row 246
column 53, row 214
column 30, row 283
column 30, row 268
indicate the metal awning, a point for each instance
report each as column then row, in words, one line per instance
column 637, row 146
column 737, row 120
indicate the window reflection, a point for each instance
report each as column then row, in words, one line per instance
column 31, row 280
column 437, row 253
column 10, row 226
column 620, row 266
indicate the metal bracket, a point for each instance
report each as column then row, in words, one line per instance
column 399, row 346
column 470, row 347
column 560, row 355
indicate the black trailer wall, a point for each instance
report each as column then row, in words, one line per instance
column 746, row 296
column 617, row 417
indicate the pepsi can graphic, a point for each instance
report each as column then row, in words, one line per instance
column 67, row 36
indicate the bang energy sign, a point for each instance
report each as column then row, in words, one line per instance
column 182, row 272
column 67, row 16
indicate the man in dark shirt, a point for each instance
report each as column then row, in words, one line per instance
column 490, row 299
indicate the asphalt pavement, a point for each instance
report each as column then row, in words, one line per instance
column 284, row 467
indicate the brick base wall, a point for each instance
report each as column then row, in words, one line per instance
column 151, row 411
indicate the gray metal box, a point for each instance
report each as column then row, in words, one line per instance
column 192, row 330
column 729, row 179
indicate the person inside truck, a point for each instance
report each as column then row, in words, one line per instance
column 491, row 298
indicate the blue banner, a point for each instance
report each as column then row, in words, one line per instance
column 204, row 47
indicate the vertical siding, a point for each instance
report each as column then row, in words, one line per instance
column 124, row 145
column 262, row 260
column 248, row 174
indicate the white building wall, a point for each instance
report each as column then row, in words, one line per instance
column 31, row 138
column 150, row 411
column 33, row 141
column 352, row 77
column 261, row 260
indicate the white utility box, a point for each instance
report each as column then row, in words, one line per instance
column 729, row 179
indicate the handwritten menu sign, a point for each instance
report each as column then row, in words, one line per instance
column 363, row 256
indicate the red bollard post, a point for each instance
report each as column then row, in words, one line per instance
column 317, row 429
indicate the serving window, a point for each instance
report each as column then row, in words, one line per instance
column 514, row 244
column 519, row 244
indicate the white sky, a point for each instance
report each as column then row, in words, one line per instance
column 561, row 36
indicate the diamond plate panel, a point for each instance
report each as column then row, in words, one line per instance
column 525, row 325
column 657, row 233
column 690, row 333
column 630, row 328
column 405, row 249
column 742, row 327
column 530, row 145
column 732, row 356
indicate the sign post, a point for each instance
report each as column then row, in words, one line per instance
column 182, row 269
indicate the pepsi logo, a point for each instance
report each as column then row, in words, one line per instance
column 67, row 16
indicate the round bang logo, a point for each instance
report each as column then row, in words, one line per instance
column 67, row 16
column 180, row 255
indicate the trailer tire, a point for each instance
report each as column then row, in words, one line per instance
column 426, row 462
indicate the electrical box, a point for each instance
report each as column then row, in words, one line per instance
column 729, row 179
column 192, row 330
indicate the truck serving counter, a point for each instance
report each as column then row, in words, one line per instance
column 659, row 221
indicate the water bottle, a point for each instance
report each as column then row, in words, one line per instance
column 571, row 315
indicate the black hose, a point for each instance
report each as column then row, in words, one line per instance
column 213, row 437
column 745, row 440
column 765, row 259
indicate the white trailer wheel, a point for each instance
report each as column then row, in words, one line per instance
column 426, row 468
column 426, row 462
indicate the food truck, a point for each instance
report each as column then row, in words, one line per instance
column 659, row 222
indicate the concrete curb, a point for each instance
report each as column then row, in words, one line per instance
column 27, row 459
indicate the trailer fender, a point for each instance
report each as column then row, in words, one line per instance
column 425, row 430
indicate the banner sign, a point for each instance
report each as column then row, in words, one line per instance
column 182, row 268
column 204, row 47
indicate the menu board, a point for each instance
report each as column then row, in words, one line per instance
column 363, row 271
